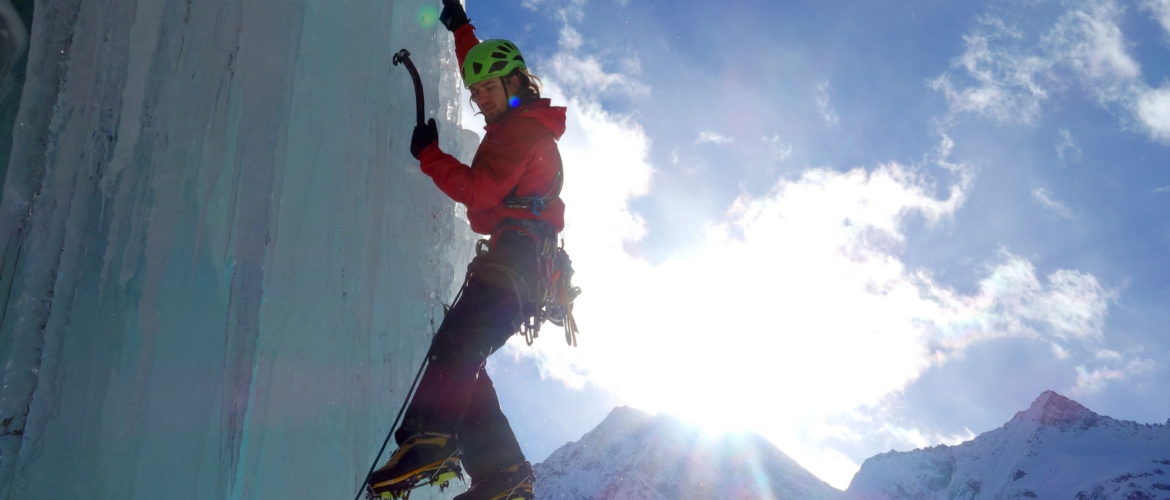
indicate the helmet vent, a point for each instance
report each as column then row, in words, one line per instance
column 491, row 59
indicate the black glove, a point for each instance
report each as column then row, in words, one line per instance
column 424, row 135
column 453, row 15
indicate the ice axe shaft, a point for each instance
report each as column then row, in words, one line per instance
column 403, row 56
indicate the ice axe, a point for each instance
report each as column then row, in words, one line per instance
column 403, row 56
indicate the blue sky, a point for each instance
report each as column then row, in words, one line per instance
column 852, row 226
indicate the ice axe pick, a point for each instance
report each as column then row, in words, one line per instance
column 403, row 56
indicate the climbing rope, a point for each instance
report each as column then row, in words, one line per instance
column 409, row 395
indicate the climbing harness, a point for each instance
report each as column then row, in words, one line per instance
column 552, row 296
column 537, row 204
column 555, row 296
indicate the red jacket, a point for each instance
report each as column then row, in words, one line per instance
column 518, row 153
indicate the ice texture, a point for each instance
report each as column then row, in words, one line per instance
column 221, row 265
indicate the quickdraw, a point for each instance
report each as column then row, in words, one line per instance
column 556, row 293
column 552, row 297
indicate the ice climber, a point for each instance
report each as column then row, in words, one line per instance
column 511, row 191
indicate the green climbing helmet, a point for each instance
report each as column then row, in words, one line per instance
column 491, row 59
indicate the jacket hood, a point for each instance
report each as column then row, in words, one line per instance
column 541, row 110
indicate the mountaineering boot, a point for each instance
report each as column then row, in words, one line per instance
column 513, row 483
column 423, row 459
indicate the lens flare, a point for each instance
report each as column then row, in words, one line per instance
column 427, row 16
column 513, row 102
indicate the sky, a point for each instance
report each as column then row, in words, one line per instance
column 851, row 226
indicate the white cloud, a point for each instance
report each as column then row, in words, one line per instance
column 1091, row 39
column 827, row 112
column 584, row 76
column 1074, row 306
column 1162, row 189
column 713, row 138
column 609, row 168
column 1094, row 380
column 912, row 438
column 1006, row 83
column 570, row 38
column 631, row 65
column 777, row 150
column 1160, row 10
column 763, row 301
column 1045, row 200
column 1066, row 305
column 572, row 11
column 568, row 11
column 1059, row 352
column 1067, row 148
column 1109, row 354
column 1153, row 108
column 1002, row 76
column 804, row 283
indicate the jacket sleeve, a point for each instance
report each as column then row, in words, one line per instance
column 499, row 164
column 465, row 39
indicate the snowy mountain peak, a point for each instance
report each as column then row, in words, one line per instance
column 1054, row 449
column 1053, row 410
column 624, row 416
column 633, row 455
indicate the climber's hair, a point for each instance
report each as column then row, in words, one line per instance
column 529, row 86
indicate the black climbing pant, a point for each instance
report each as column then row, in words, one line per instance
column 455, row 395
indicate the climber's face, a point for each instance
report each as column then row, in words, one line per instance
column 492, row 98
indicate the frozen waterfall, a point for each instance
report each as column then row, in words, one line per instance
column 221, row 266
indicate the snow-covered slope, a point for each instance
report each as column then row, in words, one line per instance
column 1054, row 449
column 632, row 455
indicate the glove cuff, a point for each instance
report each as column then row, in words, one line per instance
column 430, row 152
column 456, row 24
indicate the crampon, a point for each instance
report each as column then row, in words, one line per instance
column 441, row 475
column 513, row 483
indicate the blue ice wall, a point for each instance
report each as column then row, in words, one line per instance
column 221, row 266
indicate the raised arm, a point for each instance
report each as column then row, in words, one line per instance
column 455, row 19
